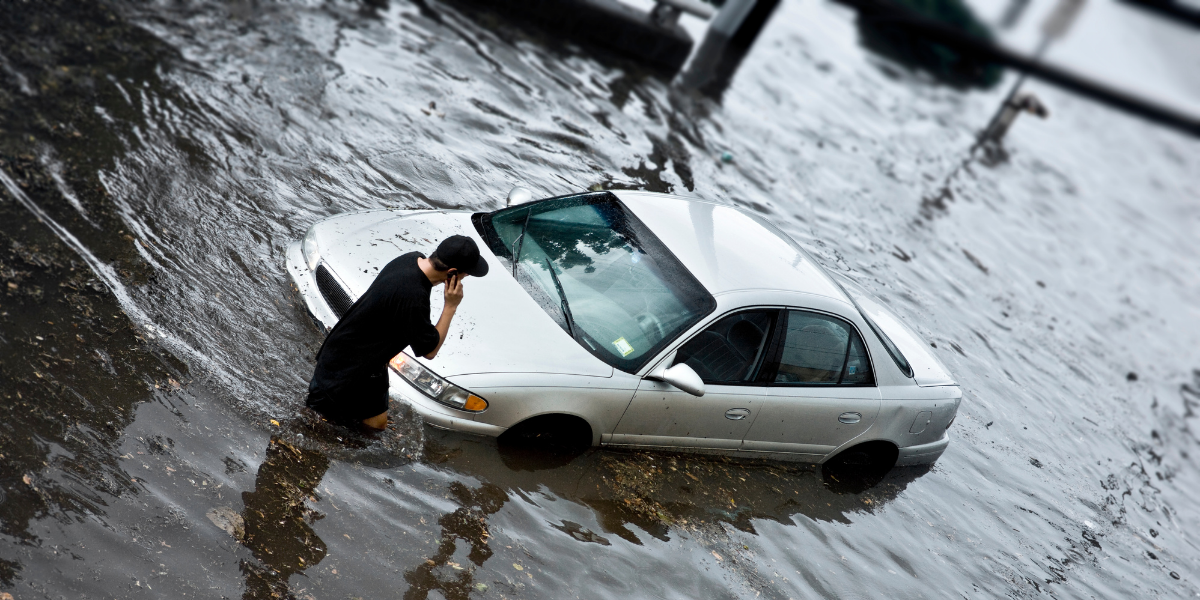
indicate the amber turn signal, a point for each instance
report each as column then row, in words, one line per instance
column 475, row 403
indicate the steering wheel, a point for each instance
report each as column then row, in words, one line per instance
column 646, row 318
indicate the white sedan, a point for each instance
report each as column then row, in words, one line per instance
column 641, row 320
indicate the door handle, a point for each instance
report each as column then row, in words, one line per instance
column 849, row 418
column 737, row 414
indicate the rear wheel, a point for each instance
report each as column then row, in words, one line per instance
column 858, row 468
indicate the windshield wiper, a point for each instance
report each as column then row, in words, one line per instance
column 566, row 308
column 520, row 242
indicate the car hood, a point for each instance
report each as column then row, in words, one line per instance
column 928, row 369
column 498, row 328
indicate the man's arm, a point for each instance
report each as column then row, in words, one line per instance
column 453, row 295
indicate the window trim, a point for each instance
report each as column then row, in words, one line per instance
column 782, row 324
column 893, row 351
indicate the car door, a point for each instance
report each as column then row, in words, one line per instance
column 821, row 391
column 727, row 355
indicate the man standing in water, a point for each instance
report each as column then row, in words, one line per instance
column 350, row 384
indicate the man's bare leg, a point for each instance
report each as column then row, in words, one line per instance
column 378, row 421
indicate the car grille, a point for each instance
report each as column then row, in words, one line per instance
column 334, row 295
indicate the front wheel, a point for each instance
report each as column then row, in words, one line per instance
column 554, row 433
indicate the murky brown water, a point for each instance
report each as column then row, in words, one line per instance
column 157, row 158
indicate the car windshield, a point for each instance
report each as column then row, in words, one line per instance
column 600, row 273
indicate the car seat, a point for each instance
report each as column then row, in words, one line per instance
column 716, row 357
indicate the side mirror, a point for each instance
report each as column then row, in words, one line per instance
column 684, row 378
column 519, row 195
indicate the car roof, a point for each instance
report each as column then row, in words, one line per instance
column 728, row 249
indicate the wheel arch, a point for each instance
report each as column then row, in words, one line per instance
column 876, row 451
column 554, row 419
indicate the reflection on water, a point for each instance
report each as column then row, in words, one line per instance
column 467, row 524
column 657, row 491
column 278, row 520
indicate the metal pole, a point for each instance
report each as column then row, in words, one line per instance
column 1016, row 87
column 1054, row 27
column 703, row 66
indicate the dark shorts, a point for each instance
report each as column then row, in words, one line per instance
column 352, row 402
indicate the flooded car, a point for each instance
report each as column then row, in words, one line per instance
column 649, row 321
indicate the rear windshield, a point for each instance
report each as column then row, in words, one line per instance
column 600, row 273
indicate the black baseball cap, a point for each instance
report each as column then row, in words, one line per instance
column 460, row 252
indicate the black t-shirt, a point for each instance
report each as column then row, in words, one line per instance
column 391, row 315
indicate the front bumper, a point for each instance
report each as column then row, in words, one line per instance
column 923, row 454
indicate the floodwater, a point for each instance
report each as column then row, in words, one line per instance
column 157, row 157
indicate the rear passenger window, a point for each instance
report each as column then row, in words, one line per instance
column 821, row 350
column 730, row 350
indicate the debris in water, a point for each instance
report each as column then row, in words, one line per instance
column 975, row 261
column 432, row 110
column 229, row 520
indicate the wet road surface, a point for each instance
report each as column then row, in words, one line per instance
column 157, row 158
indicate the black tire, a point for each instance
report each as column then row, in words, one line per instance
column 560, row 434
column 859, row 468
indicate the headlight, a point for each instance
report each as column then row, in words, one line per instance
column 435, row 387
column 308, row 248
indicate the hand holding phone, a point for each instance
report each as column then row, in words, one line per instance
column 454, row 290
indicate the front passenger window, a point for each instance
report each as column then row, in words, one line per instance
column 729, row 351
column 822, row 350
